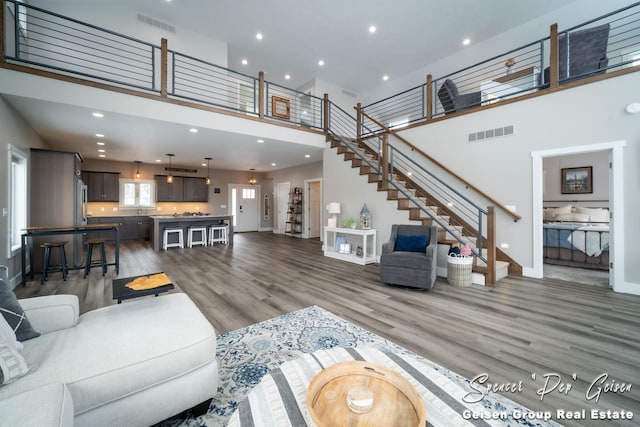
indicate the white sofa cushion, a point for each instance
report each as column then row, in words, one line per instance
column 53, row 403
column 52, row 312
column 120, row 350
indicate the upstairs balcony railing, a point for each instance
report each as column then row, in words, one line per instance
column 605, row 45
column 47, row 41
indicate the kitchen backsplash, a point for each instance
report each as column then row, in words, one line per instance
column 163, row 208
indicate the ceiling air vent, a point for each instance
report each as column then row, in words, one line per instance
column 490, row 133
column 155, row 23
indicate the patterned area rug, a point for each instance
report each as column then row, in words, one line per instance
column 248, row 354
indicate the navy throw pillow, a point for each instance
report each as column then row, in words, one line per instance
column 415, row 243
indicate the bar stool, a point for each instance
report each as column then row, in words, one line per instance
column 90, row 262
column 203, row 236
column 165, row 238
column 218, row 233
column 46, row 268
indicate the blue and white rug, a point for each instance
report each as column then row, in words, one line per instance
column 248, row 354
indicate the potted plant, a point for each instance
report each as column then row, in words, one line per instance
column 350, row 222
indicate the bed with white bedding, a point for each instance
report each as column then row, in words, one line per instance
column 576, row 237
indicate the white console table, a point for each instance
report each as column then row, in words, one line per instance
column 356, row 238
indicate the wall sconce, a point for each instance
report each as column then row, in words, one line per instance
column 170, row 177
column 252, row 180
column 138, row 170
column 208, row 181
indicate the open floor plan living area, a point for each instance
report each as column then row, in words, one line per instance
column 295, row 214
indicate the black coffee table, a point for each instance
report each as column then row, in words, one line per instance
column 121, row 292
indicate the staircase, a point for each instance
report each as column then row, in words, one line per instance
column 423, row 208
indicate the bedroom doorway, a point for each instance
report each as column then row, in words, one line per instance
column 615, row 174
column 576, row 218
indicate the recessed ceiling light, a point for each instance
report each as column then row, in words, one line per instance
column 158, row 161
column 273, row 164
column 321, row 63
column 259, row 36
column 102, row 155
column 245, row 62
column 203, row 164
column 99, row 115
column 100, row 135
column 260, row 141
column 466, row 41
column 307, row 155
column 101, row 150
column 385, row 78
column 193, row 130
column 287, row 76
column 100, row 143
column 372, row 29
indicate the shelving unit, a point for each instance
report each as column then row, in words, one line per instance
column 294, row 213
column 361, row 247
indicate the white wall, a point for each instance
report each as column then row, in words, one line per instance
column 16, row 132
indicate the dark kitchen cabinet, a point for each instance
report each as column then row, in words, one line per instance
column 195, row 190
column 166, row 192
column 135, row 228
column 132, row 228
column 102, row 186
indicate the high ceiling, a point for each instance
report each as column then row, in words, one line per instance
column 296, row 35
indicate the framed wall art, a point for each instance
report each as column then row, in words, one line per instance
column 280, row 107
column 577, row 180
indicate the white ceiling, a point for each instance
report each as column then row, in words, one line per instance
column 297, row 33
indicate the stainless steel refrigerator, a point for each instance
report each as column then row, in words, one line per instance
column 57, row 198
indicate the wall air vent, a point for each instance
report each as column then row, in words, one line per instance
column 155, row 23
column 490, row 134
column 346, row 92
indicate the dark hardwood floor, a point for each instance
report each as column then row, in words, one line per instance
column 520, row 327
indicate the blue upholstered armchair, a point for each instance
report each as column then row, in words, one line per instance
column 409, row 257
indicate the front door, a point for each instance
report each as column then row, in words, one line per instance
column 245, row 207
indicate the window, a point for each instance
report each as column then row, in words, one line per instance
column 248, row 193
column 17, row 197
column 137, row 193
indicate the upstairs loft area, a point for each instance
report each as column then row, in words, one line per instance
column 41, row 42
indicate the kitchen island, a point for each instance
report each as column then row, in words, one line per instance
column 160, row 222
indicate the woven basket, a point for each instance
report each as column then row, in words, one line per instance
column 459, row 270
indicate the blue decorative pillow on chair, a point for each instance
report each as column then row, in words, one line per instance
column 412, row 243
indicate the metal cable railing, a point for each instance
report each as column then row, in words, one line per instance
column 398, row 110
column 45, row 39
column 402, row 169
column 294, row 106
column 203, row 82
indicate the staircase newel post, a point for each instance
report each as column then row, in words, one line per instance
column 325, row 118
column 553, row 60
column 261, row 94
column 358, row 123
column 429, row 98
column 164, row 58
column 385, row 161
column 491, row 246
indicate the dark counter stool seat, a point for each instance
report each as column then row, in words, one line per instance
column 46, row 268
column 90, row 262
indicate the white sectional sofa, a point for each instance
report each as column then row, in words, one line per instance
column 130, row 364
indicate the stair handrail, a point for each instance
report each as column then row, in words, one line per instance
column 466, row 183
column 355, row 142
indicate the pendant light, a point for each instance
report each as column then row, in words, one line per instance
column 252, row 180
column 170, row 177
column 208, row 181
column 138, row 170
